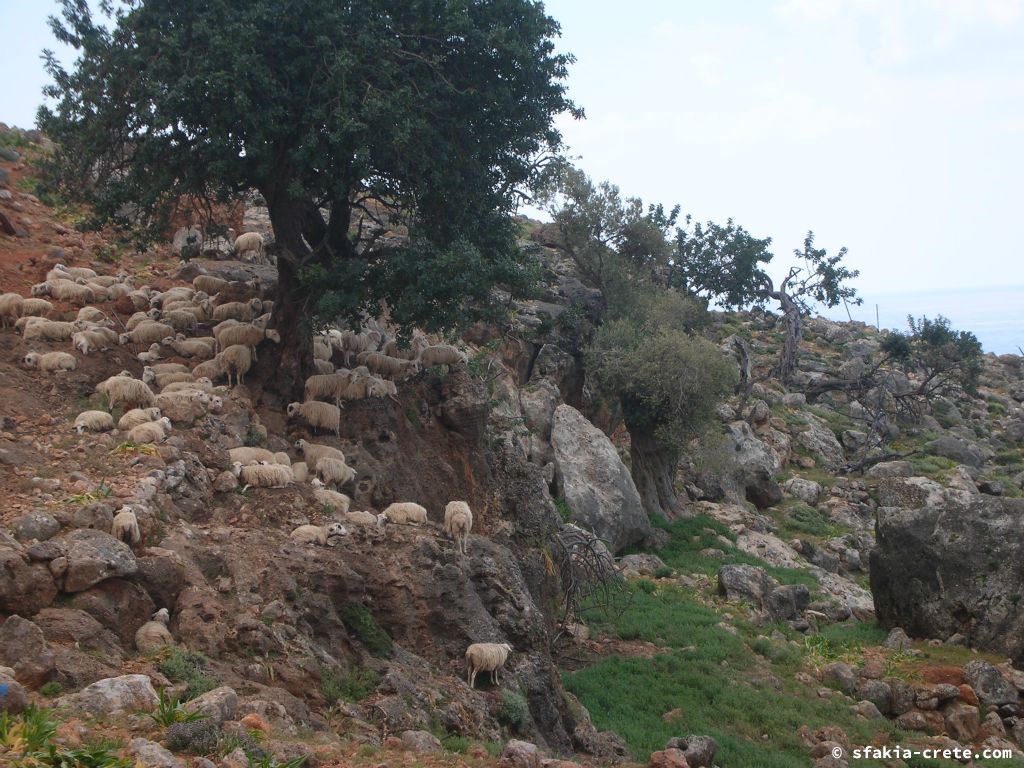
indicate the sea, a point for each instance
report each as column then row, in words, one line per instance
column 995, row 315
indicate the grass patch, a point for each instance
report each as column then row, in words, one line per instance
column 514, row 709
column 181, row 666
column 564, row 511
column 929, row 465
column 796, row 518
column 350, row 685
column 361, row 622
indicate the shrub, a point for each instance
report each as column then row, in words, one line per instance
column 182, row 666
column 564, row 511
column 347, row 685
column 51, row 689
column 514, row 709
column 361, row 622
column 199, row 737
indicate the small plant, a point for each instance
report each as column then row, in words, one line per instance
column 359, row 619
column 51, row 689
column 646, row 586
column 253, row 437
column 199, row 737
column 514, row 709
column 182, row 666
column 564, row 511
column 29, row 732
column 130, row 447
column 170, row 711
column 347, row 685
column 455, row 743
column 663, row 572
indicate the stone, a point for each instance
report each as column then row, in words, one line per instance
column 748, row 583
column 520, row 754
column 925, row 569
column 103, row 698
column 218, row 705
column 992, row 725
column 94, row 556
column 867, row 710
column 821, row 441
column 959, row 450
column 699, row 751
column 989, row 684
column 13, row 696
column 24, row 649
column 967, row 694
column 808, row 491
column 37, row 526
column 912, row 721
column 225, row 482
column 840, row 675
column 668, row 758
column 594, row 482
column 26, row 587
column 903, row 696
column 420, row 741
column 149, row 754
column 235, row 759
column 787, row 602
column 643, row 564
column 962, row 721
column 896, row 640
column 899, row 468
column 877, row 692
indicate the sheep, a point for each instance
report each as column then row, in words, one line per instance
column 338, row 502
column 180, row 320
column 151, row 355
column 201, row 348
column 69, row 273
column 237, row 360
column 163, row 379
column 377, row 387
column 48, row 330
column 313, row 452
column 139, row 297
column 250, row 455
column 485, row 657
column 94, row 421
column 73, row 293
column 162, row 368
column 321, row 350
column 177, row 293
column 123, row 390
column 391, row 367
column 150, row 432
column 250, row 242
column 99, row 292
column 105, row 280
column 198, row 385
column 92, row 314
column 208, row 369
column 147, row 333
column 125, row 527
column 89, row 341
column 137, row 416
column 185, row 406
column 334, row 471
column 458, row 521
column 35, row 307
column 368, row 519
column 317, row 534
column 154, row 635
column 323, row 367
column 264, row 475
column 441, row 354
column 238, row 310
column 328, row 385
column 210, row 284
column 301, row 471
column 11, row 307
column 133, row 322
column 280, row 457
column 317, row 415
column 50, row 361
column 117, row 290
column 245, row 334
column 406, row 512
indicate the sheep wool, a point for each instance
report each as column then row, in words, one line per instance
column 137, row 416
column 334, row 471
column 337, row 502
column 150, row 432
column 93, row 421
column 317, row 415
column 89, row 341
column 366, row 519
column 49, row 330
column 301, row 471
column 250, row 455
column 250, row 242
column 458, row 522
column 154, row 635
column 50, row 361
column 317, row 534
column 485, row 657
column 441, row 354
column 11, row 307
column 125, row 391
column 237, row 360
column 35, row 307
column 406, row 512
column 313, row 452
column 264, row 475
column 125, row 527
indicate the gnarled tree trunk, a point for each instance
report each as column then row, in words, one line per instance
column 653, row 467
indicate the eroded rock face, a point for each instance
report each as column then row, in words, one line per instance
column 116, row 694
column 951, row 568
column 25, row 586
column 595, row 483
column 24, row 649
column 94, row 556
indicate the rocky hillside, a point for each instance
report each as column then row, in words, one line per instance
column 761, row 598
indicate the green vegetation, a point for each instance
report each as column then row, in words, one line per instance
column 183, row 666
column 361, row 622
column 51, row 689
column 455, row 743
column 350, row 685
column 564, row 510
column 514, row 709
column 798, row 519
column 27, row 740
column 170, row 711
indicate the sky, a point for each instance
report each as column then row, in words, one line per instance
column 892, row 127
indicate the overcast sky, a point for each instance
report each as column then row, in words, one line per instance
column 893, row 127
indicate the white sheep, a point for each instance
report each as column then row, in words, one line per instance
column 137, row 416
column 334, row 471
column 62, row 271
column 280, row 457
column 458, row 522
column 407, row 512
column 245, row 334
column 151, row 355
column 301, row 471
column 93, row 421
column 238, row 310
column 135, row 320
column 125, row 527
column 122, row 390
column 89, row 341
column 150, row 431
column 313, row 452
column 154, row 635
column 237, row 360
column 486, row 657
column 159, row 368
column 440, row 354
column 92, row 314
column 189, row 385
column 250, row 242
column 338, row 502
column 391, row 367
column 50, row 361
column 165, row 379
column 210, row 284
column 35, row 307
column 201, row 348
column 147, row 333
column 364, row 519
column 317, row 415
column 48, row 330
column 323, row 366
column 251, row 455
column 208, row 369
column 264, row 475
column 317, row 534
column 180, row 320
column 11, row 307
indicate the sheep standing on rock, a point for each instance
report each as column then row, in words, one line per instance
column 334, row 472
column 50, row 361
column 317, row 415
column 318, row 534
column 458, row 522
column 406, row 512
column 154, row 635
column 313, row 452
column 441, row 354
column 486, row 657
column 250, row 242
column 125, row 527
column 93, row 421
column 237, row 360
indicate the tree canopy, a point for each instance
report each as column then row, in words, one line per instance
column 354, row 120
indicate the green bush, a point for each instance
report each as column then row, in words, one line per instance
column 361, row 622
column 51, row 689
column 455, row 743
column 199, row 737
column 350, row 685
column 183, row 666
column 563, row 510
column 514, row 709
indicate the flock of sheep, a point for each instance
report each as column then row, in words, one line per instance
column 239, row 316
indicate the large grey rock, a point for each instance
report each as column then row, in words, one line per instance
column 149, row 754
column 127, row 693
column 35, row 525
column 24, row 649
column 989, row 683
column 742, row 469
column 745, row 582
column 959, row 450
column 595, row 483
column 953, row 567
column 420, row 741
column 900, row 468
column 787, row 602
column 699, row 751
column 807, row 491
column 94, row 556
column 820, row 440
column 25, row 586
column 520, row 754
column 218, row 705
column 13, row 697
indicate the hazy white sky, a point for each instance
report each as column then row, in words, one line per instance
column 893, row 127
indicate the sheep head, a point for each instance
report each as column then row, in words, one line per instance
column 162, row 615
column 31, row 359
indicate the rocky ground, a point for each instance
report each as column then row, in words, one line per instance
column 767, row 586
